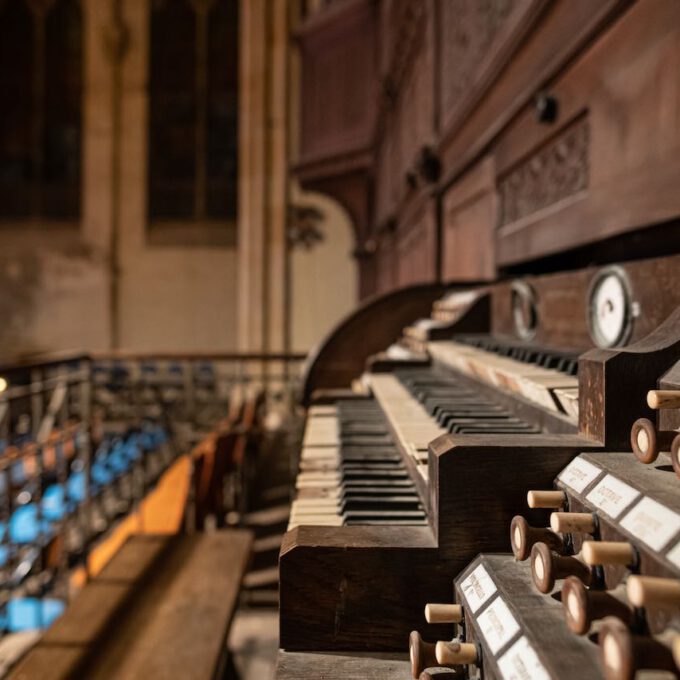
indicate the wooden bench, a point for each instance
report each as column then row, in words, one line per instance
column 161, row 608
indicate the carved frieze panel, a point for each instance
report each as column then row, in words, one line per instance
column 556, row 171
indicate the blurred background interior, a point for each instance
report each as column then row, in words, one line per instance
column 193, row 194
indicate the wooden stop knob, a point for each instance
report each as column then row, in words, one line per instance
column 651, row 590
column 456, row 653
column 657, row 399
column 582, row 606
column 443, row 613
column 609, row 552
column 421, row 653
column 573, row 522
column 546, row 499
column 623, row 654
column 547, row 567
column 647, row 442
column 523, row 537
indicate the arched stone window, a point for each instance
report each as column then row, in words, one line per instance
column 41, row 53
column 193, row 87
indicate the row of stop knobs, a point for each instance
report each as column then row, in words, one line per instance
column 625, row 643
column 647, row 441
column 443, row 659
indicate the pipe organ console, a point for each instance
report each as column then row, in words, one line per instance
column 592, row 591
column 494, row 464
column 499, row 429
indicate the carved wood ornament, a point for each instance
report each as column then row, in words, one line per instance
column 558, row 170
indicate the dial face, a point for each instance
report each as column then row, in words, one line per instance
column 524, row 313
column 609, row 310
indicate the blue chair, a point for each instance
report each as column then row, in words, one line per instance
column 101, row 474
column 30, row 613
column 132, row 450
column 25, row 527
column 54, row 503
column 117, row 460
column 5, row 552
column 75, row 487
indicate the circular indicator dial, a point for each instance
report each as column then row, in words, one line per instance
column 610, row 309
column 524, row 313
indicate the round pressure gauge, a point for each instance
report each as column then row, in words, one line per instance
column 610, row 310
column 524, row 313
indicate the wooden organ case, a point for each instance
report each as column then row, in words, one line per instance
column 516, row 172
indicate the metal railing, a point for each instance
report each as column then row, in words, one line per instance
column 84, row 437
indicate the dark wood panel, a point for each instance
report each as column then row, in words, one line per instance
column 339, row 91
column 406, row 121
column 563, row 30
column 669, row 419
column 473, row 514
column 416, row 248
column 540, row 618
column 613, row 384
column 477, row 40
column 459, row 85
column 361, row 588
column 348, row 666
column 611, row 162
column 386, row 263
column 468, row 226
column 562, row 302
column 339, row 80
column 650, row 198
column 330, row 598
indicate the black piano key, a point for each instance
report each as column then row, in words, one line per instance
column 372, row 491
column 357, row 516
column 381, row 503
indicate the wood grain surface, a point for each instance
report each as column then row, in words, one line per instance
column 161, row 609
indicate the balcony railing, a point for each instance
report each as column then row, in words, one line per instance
column 84, row 438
